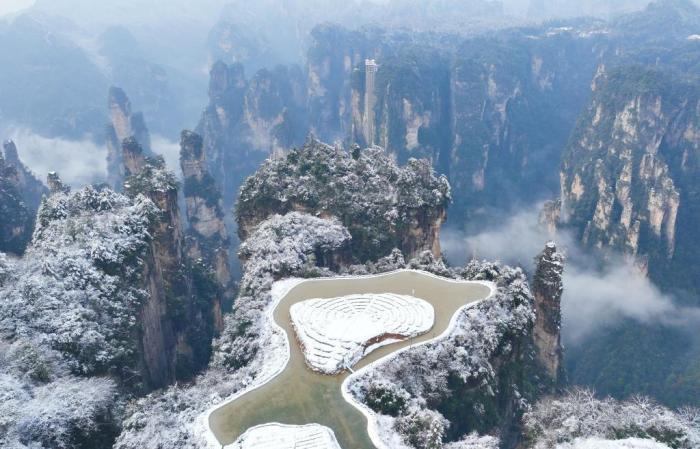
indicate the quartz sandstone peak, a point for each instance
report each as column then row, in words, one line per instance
column 547, row 289
column 124, row 124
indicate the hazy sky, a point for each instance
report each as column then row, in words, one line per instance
column 8, row 6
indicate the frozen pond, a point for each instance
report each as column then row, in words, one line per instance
column 301, row 396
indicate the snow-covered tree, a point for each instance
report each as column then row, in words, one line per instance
column 378, row 201
column 423, row 429
column 75, row 290
column 67, row 311
column 283, row 245
column 580, row 414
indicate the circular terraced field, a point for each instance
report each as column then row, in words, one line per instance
column 337, row 332
column 279, row 436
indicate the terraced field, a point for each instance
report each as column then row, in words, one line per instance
column 277, row 436
column 337, row 332
column 298, row 395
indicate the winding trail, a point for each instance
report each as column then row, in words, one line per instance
column 298, row 395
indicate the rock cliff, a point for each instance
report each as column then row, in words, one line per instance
column 247, row 121
column 124, row 124
column 32, row 188
column 208, row 237
column 547, row 289
column 630, row 174
column 179, row 318
column 491, row 113
column 15, row 227
column 20, row 196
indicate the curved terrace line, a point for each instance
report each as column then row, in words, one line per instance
column 293, row 394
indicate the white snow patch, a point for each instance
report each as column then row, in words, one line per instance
column 597, row 443
column 335, row 333
column 282, row 436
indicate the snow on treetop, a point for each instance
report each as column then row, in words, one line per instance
column 579, row 419
column 329, row 178
column 75, row 290
column 375, row 198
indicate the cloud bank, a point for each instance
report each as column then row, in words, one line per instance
column 596, row 294
column 78, row 162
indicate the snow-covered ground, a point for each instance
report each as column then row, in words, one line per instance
column 597, row 443
column 335, row 333
column 281, row 436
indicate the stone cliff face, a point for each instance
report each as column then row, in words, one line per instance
column 208, row 235
column 16, row 223
column 124, row 124
column 32, row 189
column 249, row 120
column 547, row 288
column 492, row 114
column 177, row 321
column 20, row 196
column 630, row 176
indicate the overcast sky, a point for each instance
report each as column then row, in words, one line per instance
column 9, row 6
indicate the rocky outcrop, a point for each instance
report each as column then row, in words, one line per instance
column 629, row 180
column 384, row 206
column 249, row 120
column 178, row 320
column 492, row 114
column 547, row 289
column 55, row 183
column 124, row 124
column 32, row 188
column 208, row 237
column 20, row 197
column 16, row 222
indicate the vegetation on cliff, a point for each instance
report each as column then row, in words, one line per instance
column 580, row 415
column 67, row 314
column 383, row 205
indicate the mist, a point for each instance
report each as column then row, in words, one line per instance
column 170, row 151
column 78, row 162
column 597, row 294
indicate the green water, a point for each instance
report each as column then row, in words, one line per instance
column 299, row 395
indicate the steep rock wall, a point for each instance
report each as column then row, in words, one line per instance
column 247, row 121
column 178, row 320
column 629, row 180
column 124, row 124
column 547, row 289
column 208, row 238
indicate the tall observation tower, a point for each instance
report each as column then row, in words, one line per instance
column 370, row 99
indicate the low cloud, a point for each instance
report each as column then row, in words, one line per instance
column 595, row 299
column 78, row 162
column 169, row 149
column 596, row 295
